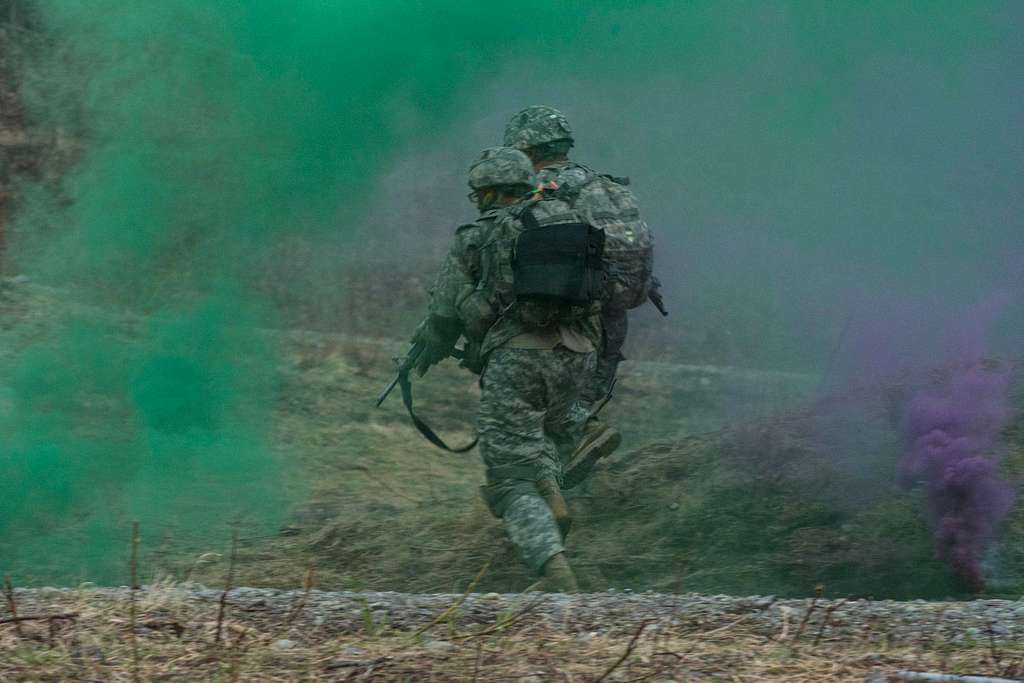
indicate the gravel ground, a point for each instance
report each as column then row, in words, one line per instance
column 296, row 635
column 1001, row 621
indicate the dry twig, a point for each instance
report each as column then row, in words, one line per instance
column 807, row 617
column 824, row 622
column 11, row 604
column 990, row 631
column 625, row 655
column 131, row 601
column 455, row 605
column 235, row 661
column 222, row 606
column 307, row 586
column 476, row 663
column 728, row 626
column 373, row 477
column 497, row 626
column 345, row 664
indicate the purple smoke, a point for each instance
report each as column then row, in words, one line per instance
column 954, row 443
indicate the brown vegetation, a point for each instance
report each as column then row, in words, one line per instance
column 303, row 635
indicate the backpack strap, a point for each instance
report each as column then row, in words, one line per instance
column 530, row 221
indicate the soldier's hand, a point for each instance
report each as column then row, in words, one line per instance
column 438, row 336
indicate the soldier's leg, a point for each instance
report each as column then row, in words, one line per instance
column 532, row 529
column 566, row 376
column 518, row 454
column 615, row 325
column 582, row 442
column 551, row 492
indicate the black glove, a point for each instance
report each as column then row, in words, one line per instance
column 438, row 336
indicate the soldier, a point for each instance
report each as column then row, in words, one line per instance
column 532, row 339
column 543, row 133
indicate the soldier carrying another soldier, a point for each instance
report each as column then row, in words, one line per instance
column 523, row 284
column 539, row 286
column 604, row 201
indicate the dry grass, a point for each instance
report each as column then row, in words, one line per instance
column 176, row 641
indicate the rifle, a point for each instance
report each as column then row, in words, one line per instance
column 404, row 366
column 402, row 380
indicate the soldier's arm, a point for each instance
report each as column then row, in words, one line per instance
column 442, row 327
column 458, row 274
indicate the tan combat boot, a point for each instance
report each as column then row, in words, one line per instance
column 599, row 441
column 552, row 495
column 558, row 576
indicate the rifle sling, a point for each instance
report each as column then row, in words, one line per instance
column 425, row 430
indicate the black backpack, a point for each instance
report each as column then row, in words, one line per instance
column 557, row 265
column 559, row 262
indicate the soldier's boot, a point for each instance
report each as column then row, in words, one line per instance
column 556, row 577
column 552, row 495
column 599, row 441
column 533, row 531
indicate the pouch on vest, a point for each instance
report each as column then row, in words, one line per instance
column 559, row 263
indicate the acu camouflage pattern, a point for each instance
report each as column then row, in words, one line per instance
column 533, row 531
column 607, row 203
column 547, row 210
column 501, row 166
column 529, row 420
column 536, row 125
column 460, row 272
column 629, row 258
column 530, row 417
column 475, row 283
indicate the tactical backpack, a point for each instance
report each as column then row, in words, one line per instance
column 606, row 202
column 558, row 260
column 554, row 272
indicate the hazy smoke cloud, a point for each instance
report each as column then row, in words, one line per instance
column 806, row 169
column 954, row 441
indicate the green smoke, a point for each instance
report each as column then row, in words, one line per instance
column 211, row 132
column 207, row 129
column 205, row 134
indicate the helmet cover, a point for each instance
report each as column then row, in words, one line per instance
column 537, row 125
column 501, row 166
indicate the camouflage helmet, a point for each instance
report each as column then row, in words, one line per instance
column 501, row 166
column 537, row 125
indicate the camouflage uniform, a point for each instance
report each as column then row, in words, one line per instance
column 540, row 125
column 529, row 416
column 529, row 421
column 614, row 319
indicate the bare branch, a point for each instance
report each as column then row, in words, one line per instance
column 625, row 655
column 222, row 606
column 11, row 604
column 455, row 605
column 131, row 601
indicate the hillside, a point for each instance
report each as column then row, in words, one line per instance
column 711, row 491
